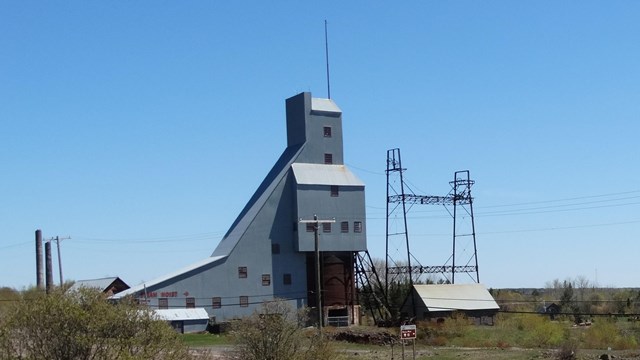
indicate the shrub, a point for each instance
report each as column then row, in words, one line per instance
column 84, row 325
column 275, row 333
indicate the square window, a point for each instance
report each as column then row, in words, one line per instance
column 326, row 227
column 335, row 190
column 244, row 301
column 327, row 131
column 242, row 272
column 344, row 227
column 311, row 227
column 357, row 226
column 163, row 303
column 266, row 279
column 191, row 303
column 216, row 302
column 328, row 158
column 286, row 279
column 275, row 248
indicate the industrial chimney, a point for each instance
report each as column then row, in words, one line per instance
column 39, row 270
column 48, row 266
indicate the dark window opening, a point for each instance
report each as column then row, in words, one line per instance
column 327, row 131
column 216, row 302
column 328, row 158
column 311, row 227
column 326, row 227
column 163, row 303
column 335, row 190
column 191, row 303
column 357, row 226
column 266, row 279
column 242, row 272
column 286, row 279
column 275, row 248
column 244, row 301
column 344, row 227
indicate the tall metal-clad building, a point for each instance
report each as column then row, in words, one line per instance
column 267, row 252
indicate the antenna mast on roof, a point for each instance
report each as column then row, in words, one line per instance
column 326, row 52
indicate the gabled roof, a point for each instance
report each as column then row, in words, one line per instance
column 451, row 297
column 102, row 284
column 182, row 314
column 320, row 174
column 160, row 280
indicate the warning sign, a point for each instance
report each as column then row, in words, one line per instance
column 407, row 332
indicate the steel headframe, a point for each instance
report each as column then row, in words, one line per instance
column 398, row 199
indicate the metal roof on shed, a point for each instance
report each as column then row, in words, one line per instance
column 319, row 174
column 450, row 297
column 182, row 314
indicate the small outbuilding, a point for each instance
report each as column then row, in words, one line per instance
column 108, row 285
column 185, row 321
column 439, row 301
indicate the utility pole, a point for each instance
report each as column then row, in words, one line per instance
column 57, row 240
column 316, row 225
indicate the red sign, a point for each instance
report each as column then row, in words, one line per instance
column 407, row 332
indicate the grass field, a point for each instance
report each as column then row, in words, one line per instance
column 513, row 337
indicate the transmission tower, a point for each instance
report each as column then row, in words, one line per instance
column 459, row 203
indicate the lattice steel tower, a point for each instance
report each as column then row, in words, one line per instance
column 459, row 203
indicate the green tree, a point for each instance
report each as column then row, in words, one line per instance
column 84, row 325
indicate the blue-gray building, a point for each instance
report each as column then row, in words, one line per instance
column 268, row 253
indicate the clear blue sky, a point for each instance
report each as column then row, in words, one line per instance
column 140, row 129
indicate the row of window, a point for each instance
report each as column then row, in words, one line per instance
column 344, row 227
column 266, row 278
column 216, row 302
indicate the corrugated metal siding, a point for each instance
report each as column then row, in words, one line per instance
column 167, row 277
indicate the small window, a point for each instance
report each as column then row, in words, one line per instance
column 357, row 226
column 327, row 131
column 328, row 158
column 244, row 301
column 335, row 190
column 242, row 272
column 326, row 227
column 163, row 303
column 311, row 227
column 216, row 302
column 286, row 279
column 344, row 227
column 191, row 303
column 266, row 279
column 275, row 248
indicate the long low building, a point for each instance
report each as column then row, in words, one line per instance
column 185, row 321
column 439, row 301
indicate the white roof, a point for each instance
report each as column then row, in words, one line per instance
column 320, row 174
column 169, row 276
column 450, row 297
column 324, row 105
column 181, row 314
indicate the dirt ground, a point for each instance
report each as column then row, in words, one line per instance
column 440, row 353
